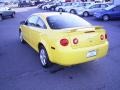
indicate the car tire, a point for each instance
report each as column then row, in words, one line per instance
column 13, row 15
column 85, row 14
column 73, row 11
column 1, row 18
column 45, row 8
column 60, row 10
column 21, row 37
column 105, row 18
column 44, row 59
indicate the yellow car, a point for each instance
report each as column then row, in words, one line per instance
column 63, row 38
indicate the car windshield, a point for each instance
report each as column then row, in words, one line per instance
column 110, row 7
column 66, row 21
column 87, row 6
column 75, row 4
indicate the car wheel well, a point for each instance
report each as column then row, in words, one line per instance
column 40, row 45
column 86, row 11
column 72, row 9
column 19, row 30
column 106, row 15
column 60, row 9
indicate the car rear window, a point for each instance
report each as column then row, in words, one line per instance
column 62, row 21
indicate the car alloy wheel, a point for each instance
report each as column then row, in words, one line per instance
column 44, row 57
column 1, row 18
column 60, row 10
column 73, row 11
column 105, row 17
column 85, row 14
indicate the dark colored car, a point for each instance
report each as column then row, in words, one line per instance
column 40, row 5
column 52, row 8
column 5, row 11
column 23, row 4
column 39, row 2
column 111, row 12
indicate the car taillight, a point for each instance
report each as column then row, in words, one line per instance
column 102, row 37
column 105, row 36
column 64, row 42
column 75, row 41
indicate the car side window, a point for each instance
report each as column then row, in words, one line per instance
column 32, row 21
column 117, row 8
column 95, row 6
column 104, row 5
column 41, row 24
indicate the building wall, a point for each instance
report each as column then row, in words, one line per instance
column 116, row 2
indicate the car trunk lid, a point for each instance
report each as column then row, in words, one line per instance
column 86, row 37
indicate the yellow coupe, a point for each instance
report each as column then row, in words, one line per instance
column 63, row 38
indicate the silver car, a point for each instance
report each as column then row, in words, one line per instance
column 5, row 11
column 61, row 8
column 71, row 9
column 90, row 9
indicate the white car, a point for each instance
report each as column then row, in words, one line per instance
column 70, row 9
column 61, row 8
column 5, row 12
column 89, row 10
column 47, row 6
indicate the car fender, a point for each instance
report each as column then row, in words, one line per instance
column 47, row 47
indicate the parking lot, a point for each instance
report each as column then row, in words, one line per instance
column 20, row 67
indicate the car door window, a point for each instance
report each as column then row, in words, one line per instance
column 95, row 6
column 41, row 24
column 32, row 21
column 104, row 5
column 117, row 8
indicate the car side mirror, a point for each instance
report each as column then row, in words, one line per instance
column 22, row 23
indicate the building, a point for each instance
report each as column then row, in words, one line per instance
column 86, row 0
column 116, row 2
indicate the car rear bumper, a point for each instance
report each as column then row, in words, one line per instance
column 77, row 56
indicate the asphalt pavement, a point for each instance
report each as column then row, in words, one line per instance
column 20, row 68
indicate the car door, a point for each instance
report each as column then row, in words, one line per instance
column 94, row 8
column 37, row 33
column 116, row 12
column 29, row 26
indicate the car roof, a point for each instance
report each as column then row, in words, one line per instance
column 47, row 14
